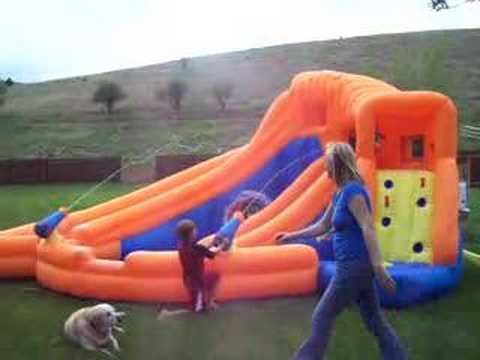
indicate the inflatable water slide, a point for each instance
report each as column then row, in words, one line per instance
column 125, row 249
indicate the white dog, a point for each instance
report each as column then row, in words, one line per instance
column 92, row 327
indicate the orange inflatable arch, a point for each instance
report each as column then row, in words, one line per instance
column 87, row 255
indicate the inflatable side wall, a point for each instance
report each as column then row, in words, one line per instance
column 405, row 142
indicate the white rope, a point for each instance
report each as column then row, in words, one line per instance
column 471, row 134
column 144, row 159
column 108, row 178
column 471, row 128
column 279, row 172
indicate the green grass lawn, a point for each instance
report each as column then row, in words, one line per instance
column 32, row 317
column 472, row 226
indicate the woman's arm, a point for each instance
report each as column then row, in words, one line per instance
column 358, row 207
column 317, row 229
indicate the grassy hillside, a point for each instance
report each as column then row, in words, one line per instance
column 59, row 118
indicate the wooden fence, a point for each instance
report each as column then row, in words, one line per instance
column 166, row 165
column 469, row 167
column 38, row 171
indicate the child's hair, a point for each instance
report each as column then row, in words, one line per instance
column 249, row 202
column 185, row 228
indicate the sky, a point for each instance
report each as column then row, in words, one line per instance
column 51, row 39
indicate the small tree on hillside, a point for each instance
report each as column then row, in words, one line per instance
column 222, row 92
column 174, row 93
column 108, row 93
column 3, row 91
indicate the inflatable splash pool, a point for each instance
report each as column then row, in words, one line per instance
column 405, row 143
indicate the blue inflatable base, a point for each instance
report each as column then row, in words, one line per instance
column 416, row 283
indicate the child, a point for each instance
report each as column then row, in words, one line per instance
column 200, row 285
column 192, row 262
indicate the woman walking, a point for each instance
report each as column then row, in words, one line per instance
column 358, row 260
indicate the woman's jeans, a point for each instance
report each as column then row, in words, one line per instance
column 352, row 283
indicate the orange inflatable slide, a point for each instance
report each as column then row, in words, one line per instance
column 124, row 249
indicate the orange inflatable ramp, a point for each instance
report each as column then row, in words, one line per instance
column 125, row 249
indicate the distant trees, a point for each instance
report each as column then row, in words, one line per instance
column 9, row 82
column 174, row 93
column 222, row 90
column 108, row 93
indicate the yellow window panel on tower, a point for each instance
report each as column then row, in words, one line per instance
column 404, row 215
